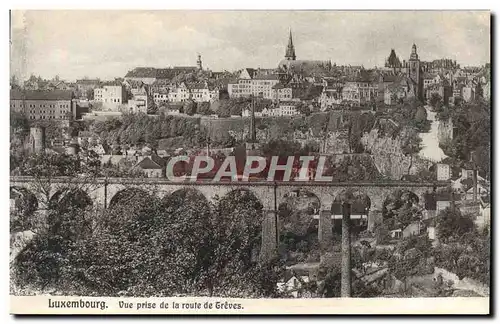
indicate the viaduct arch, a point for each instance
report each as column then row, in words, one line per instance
column 271, row 194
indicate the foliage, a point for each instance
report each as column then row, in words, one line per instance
column 452, row 224
column 330, row 287
column 50, row 165
column 400, row 209
column 22, row 217
column 141, row 129
column 473, row 138
column 412, row 258
column 469, row 257
column 352, row 168
column 189, row 107
column 304, row 109
column 233, row 106
column 19, row 122
column 204, row 108
column 357, row 124
column 435, row 101
column 144, row 246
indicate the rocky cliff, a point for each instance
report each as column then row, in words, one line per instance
column 389, row 157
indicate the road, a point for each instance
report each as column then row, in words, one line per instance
column 430, row 142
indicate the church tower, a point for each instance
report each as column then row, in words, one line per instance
column 414, row 72
column 290, row 50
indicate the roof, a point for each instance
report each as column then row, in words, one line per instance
column 250, row 72
column 41, row 95
column 427, row 75
column 142, row 72
column 88, row 81
column 165, row 73
column 306, row 67
column 152, row 162
column 390, row 78
column 266, row 77
column 197, row 85
column 288, row 103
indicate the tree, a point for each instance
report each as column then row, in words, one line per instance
column 421, row 122
column 14, row 83
column 303, row 109
column 89, row 94
column 452, row 224
column 19, row 123
column 189, row 107
column 204, row 108
column 208, row 249
column 435, row 100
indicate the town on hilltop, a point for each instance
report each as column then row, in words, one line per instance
column 406, row 214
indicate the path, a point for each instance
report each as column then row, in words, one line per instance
column 430, row 142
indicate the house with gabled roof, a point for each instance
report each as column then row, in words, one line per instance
column 152, row 166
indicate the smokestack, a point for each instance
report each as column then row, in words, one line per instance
column 253, row 132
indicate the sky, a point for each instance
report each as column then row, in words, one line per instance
column 106, row 44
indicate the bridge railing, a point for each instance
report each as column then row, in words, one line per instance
column 384, row 183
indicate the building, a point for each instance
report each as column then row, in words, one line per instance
column 415, row 72
column 198, row 92
column 44, row 105
column 393, row 62
column 290, row 66
column 202, row 92
column 443, row 172
column 152, row 166
column 85, row 86
column 469, row 91
column 160, row 97
column 111, row 96
column 443, row 89
column 280, row 92
column 254, row 85
column 360, row 90
column 332, row 93
column 140, row 100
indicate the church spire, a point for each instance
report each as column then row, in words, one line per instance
column 290, row 50
column 414, row 55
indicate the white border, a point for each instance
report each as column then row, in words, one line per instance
column 198, row 4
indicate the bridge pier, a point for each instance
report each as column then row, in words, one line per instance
column 374, row 216
column 325, row 233
column 269, row 248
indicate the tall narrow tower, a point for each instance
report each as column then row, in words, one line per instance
column 253, row 132
column 198, row 63
column 252, row 145
column 415, row 71
column 290, row 50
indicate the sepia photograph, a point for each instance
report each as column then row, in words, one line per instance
column 196, row 161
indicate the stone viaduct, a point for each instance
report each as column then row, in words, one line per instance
column 270, row 194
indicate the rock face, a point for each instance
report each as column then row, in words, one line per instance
column 387, row 154
column 389, row 157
